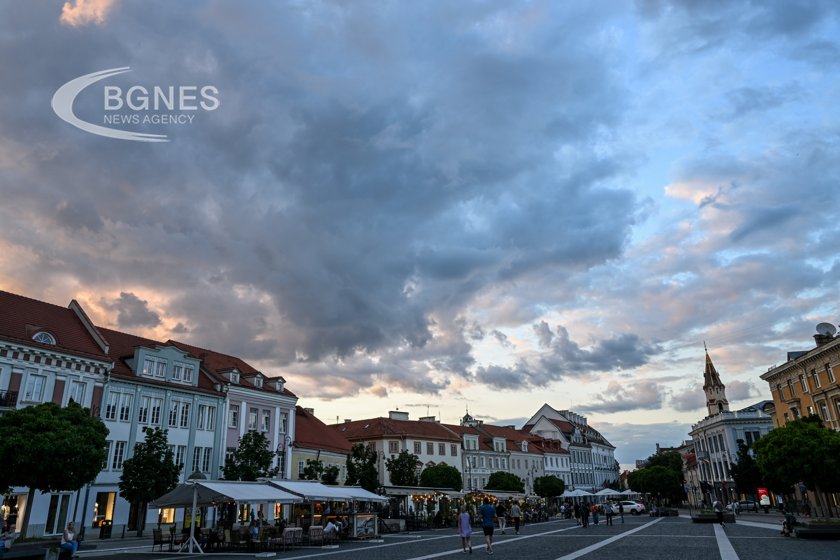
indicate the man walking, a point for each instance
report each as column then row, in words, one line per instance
column 488, row 523
column 516, row 514
column 718, row 509
column 500, row 513
column 621, row 511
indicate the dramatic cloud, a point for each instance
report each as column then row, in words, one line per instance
column 81, row 12
column 423, row 201
column 132, row 312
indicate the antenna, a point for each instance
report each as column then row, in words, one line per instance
column 826, row 329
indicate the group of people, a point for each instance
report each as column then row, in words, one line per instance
column 490, row 515
column 582, row 513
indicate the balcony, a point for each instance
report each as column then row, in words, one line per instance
column 8, row 399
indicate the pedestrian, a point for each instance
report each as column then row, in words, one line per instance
column 488, row 523
column 621, row 511
column 595, row 512
column 516, row 515
column 584, row 515
column 608, row 511
column 807, row 509
column 718, row 509
column 465, row 529
column 500, row 513
column 737, row 508
column 577, row 514
column 70, row 540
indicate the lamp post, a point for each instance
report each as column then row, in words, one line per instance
column 194, row 478
column 281, row 451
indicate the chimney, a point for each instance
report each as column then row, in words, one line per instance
column 397, row 415
column 347, row 420
column 310, row 410
column 426, row 419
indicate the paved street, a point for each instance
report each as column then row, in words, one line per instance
column 753, row 537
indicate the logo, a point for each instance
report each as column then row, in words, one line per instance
column 137, row 105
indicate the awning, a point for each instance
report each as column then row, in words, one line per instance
column 313, row 491
column 413, row 490
column 499, row 495
column 214, row 492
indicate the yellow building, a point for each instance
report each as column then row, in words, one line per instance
column 807, row 382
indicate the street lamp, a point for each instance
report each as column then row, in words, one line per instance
column 194, row 478
column 281, row 451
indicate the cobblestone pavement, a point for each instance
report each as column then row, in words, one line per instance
column 753, row 537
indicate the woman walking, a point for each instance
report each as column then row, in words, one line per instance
column 465, row 529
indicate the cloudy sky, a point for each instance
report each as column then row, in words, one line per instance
column 436, row 206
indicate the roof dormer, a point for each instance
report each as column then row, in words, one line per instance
column 278, row 383
column 232, row 375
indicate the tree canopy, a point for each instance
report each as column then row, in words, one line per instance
column 330, row 475
column 402, row 469
column 361, row 467
column 48, row 448
column 506, row 482
column 659, row 481
column 442, row 476
column 745, row 471
column 313, row 470
column 800, row 451
column 549, row 486
column 151, row 472
column 251, row 460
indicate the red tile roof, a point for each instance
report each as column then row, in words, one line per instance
column 380, row 428
column 22, row 317
column 311, row 433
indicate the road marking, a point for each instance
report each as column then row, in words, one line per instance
column 724, row 546
column 761, row 525
column 596, row 546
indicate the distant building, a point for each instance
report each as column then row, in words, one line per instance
column 316, row 441
column 715, row 440
column 592, row 464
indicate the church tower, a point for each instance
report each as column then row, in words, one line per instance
column 715, row 390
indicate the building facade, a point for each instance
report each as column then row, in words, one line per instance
column 807, row 382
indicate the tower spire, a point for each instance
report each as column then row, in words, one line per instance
column 714, row 388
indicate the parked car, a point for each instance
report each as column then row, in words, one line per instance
column 745, row 505
column 633, row 507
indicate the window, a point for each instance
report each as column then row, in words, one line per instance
column 258, row 382
column 266, row 420
column 143, row 410
column 824, row 410
column 816, row 377
column 205, row 462
column 393, row 447
column 430, row 448
column 481, row 462
column 211, row 417
column 233, row 416
column 173, row 414
column 156, row 406
column 804, row 383
column 829, row 373
column 77, row 391
column 453, row 449
column 180, row 453
column 441, row 449
column 125, row 407
column 185, row 415
column 300, row 468
column 201, row 419
column 284, row 422
column 418, row 448
column 111, row 407
column 182, row 373
column 196, row 458
column 35, row 388
column 119, row 455
column 153, row 367
column 44, row 338
column 252, row 419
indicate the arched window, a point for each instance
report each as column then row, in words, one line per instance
column 44, row 338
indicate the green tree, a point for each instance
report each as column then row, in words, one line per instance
column 330, row 475
column 801, row 451
column 50, row 448
column 149, row 473
column 549, row 486
column 361, row 467
column 251, row 460
column 659, row 481
column 670, row 460
column 506, row 482
column 442, row 476
column 313, row 470
column 745, row 471
column 402, row 469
